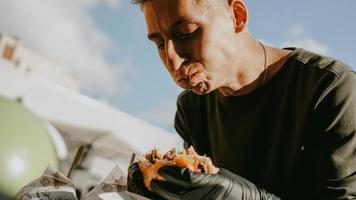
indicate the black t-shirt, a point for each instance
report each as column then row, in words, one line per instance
column 294, row 136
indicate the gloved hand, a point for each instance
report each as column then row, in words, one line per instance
column 135, row 183
column 180, row 183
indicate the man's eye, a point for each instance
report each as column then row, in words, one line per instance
column 186, row 36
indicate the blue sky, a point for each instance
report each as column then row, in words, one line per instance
column 326, row 27
column 103, row 44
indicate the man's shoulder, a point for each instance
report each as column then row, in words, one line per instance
column 323, row 64
column 323, row 76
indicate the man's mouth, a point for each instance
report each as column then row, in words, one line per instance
column 183, row 80
column 197, row 83
column 192, row 85
column 192, row 78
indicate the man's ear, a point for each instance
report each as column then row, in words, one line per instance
column 240, row 14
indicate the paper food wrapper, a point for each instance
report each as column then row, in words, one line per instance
column 122, row 196
column 115, row 182
column 51, row 185
column 113, row 187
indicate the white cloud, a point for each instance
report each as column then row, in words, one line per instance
column 297, row 36
column 64, row 31
column 309, row 44
column 296, row 31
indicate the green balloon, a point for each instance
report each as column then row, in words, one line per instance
column 25, row 147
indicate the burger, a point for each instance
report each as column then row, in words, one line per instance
column 146, row 168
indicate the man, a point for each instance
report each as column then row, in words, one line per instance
column 280, row 123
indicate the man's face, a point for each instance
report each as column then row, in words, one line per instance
column 194, row 40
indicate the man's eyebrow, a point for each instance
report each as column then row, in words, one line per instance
column 175, row 24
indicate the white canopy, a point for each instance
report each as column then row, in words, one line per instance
column 81, row 118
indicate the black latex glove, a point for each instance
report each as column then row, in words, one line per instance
column 181, row 184
column 135, row 183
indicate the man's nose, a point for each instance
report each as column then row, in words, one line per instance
column 173, row 57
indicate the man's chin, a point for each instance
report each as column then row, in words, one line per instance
column 196, row 90
column 200, row 92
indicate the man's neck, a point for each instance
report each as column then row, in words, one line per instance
column 252, row 73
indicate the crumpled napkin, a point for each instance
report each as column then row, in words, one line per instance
column 113, row 187
column 51, row 185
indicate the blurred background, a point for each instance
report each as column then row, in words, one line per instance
column 86, row 69
column 100, row 47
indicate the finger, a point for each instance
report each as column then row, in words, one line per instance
column 176, row 175
column 201, row 179
column 184, row 178
column 165, row 189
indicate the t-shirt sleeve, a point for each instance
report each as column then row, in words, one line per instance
column 181, row 123
column 334, row 123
